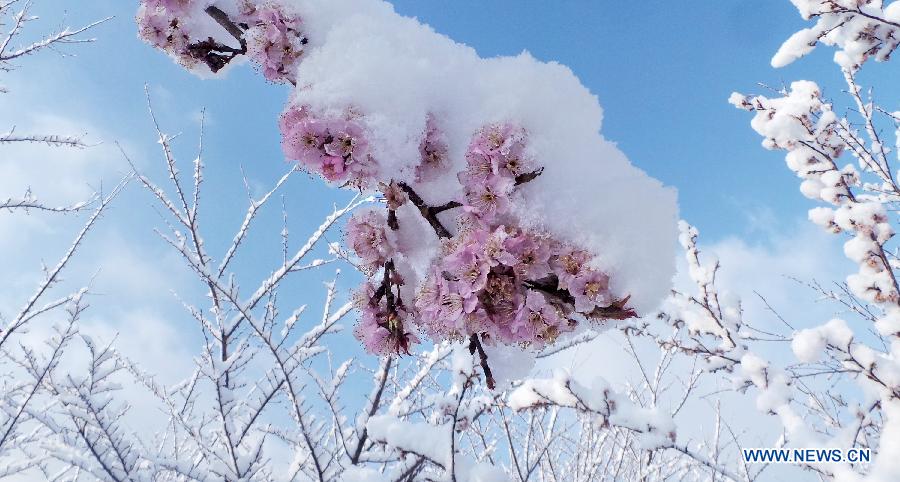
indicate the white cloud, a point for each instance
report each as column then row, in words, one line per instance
column 777, row 269
column 131, row 272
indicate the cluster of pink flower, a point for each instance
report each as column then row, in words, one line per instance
column 335, row 148
column 384, row 325
column 482, row 287
column 158, row 21
column 275, row 41
column 494, row 280
column 501, row 283
column 433, row 153
column 270, row 37
column 495, row 160
column 368, row 236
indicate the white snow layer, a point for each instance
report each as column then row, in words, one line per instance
column 394, row 71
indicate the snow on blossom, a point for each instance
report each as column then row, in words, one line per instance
column 173, row 6
column 158, row 27
column 433, row 152
column 419, row 95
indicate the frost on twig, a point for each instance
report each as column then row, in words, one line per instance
column 46, row 139
column 19, row 18
column 30, row 201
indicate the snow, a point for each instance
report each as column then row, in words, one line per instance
column 509, row 363
column 798, row 45
column 395, row 72
column 654, row 428
column 889, row 323
column 431, row 441
column 774, row 389
column 854, row 27
column 362, row 474
column 809, row 344
column 887, row 464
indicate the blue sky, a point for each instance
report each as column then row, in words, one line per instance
column 662, row 70
column 662, row 73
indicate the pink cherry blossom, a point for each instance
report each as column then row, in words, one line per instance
column 161, row 29
column 539, row 320
column 527, row 254
column 433, row 153
column 393, row 195
column 568, row 265
column 381, row 330
column 276, row 42
column 368, row 235
column 469, row 267
column 336, row 148
column 489, row 199
column 591, row 290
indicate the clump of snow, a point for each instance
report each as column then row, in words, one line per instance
column 362, row 474
column 773, row 385
column 798, row 45
column 859, row 29
column 431, row 442
column 655, row 428
column 809, row 344
column 509, row 363
column 889, row 324
column 417, row 437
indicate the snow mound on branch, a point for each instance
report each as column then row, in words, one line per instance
column 395, row 71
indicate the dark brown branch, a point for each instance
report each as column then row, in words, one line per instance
column 528, row 176
column 428, row 212
column 222, row 19
column 475, row 345
column 388, row 270
column 392, row 220
column 376, row 402
column 214, row 54
column 858, row 11
column 617, row 310
column 550, row 285
column 445, row 207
